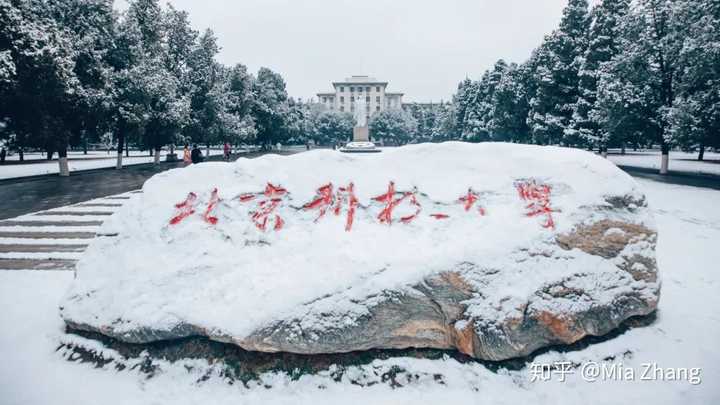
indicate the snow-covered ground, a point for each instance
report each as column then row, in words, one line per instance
column 78, row 161
column 685, row 335
column 92, row 154
column 679, row 161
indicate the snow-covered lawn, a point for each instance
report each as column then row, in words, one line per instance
column 92, row 154
column 94, row 160
column 679, row 161
column 685, row 335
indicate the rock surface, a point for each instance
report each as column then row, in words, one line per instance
column 497, row 284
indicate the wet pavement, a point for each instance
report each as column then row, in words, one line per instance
column 673, row 177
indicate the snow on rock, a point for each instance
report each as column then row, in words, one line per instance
column 494, row 249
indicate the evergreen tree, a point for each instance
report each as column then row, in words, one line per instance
column 329, row 127
column 695, row 115
column 41, row 85
column 557, row 64
column 393, row 126
column 637, row 88
column 270, row 107
column 510, row 106
column 603, row 46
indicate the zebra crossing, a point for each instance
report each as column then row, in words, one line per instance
column 55, row 239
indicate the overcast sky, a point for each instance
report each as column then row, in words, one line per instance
column 422, row 48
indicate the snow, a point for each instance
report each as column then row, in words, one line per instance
column 206, row 274
column 97, row 160
column 685, row 334
column 679, row 161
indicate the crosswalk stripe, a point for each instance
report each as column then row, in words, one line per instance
column 74, row 213
column 47, row 235
column 37, row 264
column 97, row 205
column 55, row 239
column 6, row 248
column 50, row 223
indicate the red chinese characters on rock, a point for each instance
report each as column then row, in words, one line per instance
column 346, row 195
column 322, row 202
column 469, row 201
column 185, row 208
column 325, row 200
column 214, row 200
column 538, row 198
column 267, row 202
column 329, row 198
column 391, row 202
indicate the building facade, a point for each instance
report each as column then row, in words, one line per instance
column 375, row 93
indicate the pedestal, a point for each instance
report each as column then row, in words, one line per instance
column 361, row 134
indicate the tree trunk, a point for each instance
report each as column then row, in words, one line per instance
column 121, row 144
column 157, row 156
column 207, row 154
column 127, row 150
column 85, row 147
column 22, row 154
column 622, row 149
column 664, row 158
column 701, row 154
column 63, row 162
column 50, row 154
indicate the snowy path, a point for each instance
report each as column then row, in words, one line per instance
column 685, row 334
column 54, row 239
column 79, row 164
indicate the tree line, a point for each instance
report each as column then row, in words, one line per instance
column 620, row 74
column 74, row 72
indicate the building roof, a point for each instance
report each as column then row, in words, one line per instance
column 360, row 79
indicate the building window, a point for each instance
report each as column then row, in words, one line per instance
column 342, row 99
column 342, row 88
column 352, row 89
column 324, row 99
column 367, row 89
column 377, row 108
column 377, row 88
column 352, row 99
column 377, row 99
column 360, row 89
column 342, row 108
column 367, row 99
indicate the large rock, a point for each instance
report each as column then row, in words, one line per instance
column 504, row 249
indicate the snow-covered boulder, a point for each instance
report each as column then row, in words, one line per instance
column 494, row 249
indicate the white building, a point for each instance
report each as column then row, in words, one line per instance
column 374, row 91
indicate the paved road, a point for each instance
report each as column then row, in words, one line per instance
column 674, row 177
column 25, row 195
